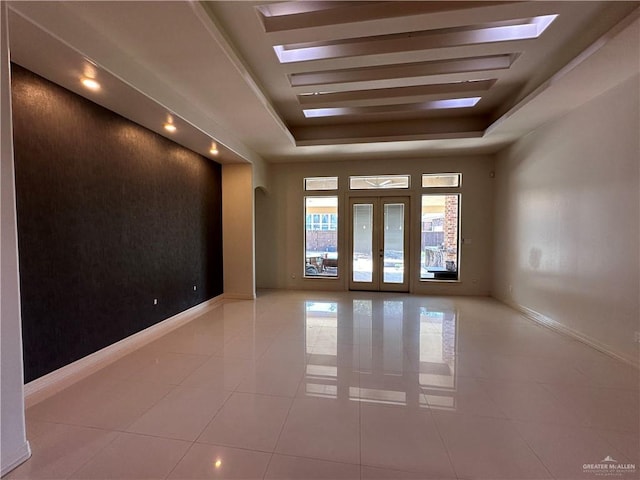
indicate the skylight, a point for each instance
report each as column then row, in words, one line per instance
column 431, row 105
column 283, row 9
column 517, row 29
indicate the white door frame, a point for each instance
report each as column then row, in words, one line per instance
column 377, row 282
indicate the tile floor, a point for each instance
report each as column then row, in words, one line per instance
column 345, row 386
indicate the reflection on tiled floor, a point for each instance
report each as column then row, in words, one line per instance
column 346, row 385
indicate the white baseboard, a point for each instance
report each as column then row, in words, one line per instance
column 47, row 385
column 239, row 296
column 574, row 334
column 15, row 459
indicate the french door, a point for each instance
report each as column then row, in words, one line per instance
column 379, row 243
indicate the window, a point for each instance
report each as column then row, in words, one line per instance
column 441, row 180
column 321, row 222
column 321, row 183
column 439, row 237
column 378, row 182
column 321, row 236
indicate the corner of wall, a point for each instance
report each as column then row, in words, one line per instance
column 566, row 223
column 238, row 225
column 15, row 458
column 15, row 448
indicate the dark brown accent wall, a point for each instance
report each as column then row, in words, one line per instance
column 110, row 217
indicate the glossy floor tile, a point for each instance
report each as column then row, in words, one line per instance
column 59, row 450
column 248, row 420
column 403, row 439
column 132, row 456
column 213, row 461
column 286, row 467
column 482, row 447
column 349, row 385
column 563, row 449
column 183, row 414
column 322, row 428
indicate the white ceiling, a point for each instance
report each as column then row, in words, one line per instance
column 383, row 65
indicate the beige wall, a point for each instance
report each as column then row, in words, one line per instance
column 567, row 221
column 15, row 448
column 280, row 222
column 260, row 173
column 237, row 231
column 265, row 239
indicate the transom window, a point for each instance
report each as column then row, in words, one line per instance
column 321, row 183
column 374, row 182
column 431, row 180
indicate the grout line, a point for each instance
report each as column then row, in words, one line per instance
column 214, row 416
column 180, row 460
column 600, row 435
column 442, row 440
column 91, row 457
column 275, row 446
column 512, row 423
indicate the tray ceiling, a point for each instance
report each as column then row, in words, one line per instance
column 352, row 72
column 317, row 80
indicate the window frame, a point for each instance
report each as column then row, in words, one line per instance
column 443, row 174
column 436, row 191
column 379, row 188
column 332, row 220
column 326, row 178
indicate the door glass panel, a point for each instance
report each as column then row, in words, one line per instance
column 362, row 242
column 393, row 243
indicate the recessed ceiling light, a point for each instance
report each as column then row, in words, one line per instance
column 168, row 125
column 214, row 149
column 90, row 83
